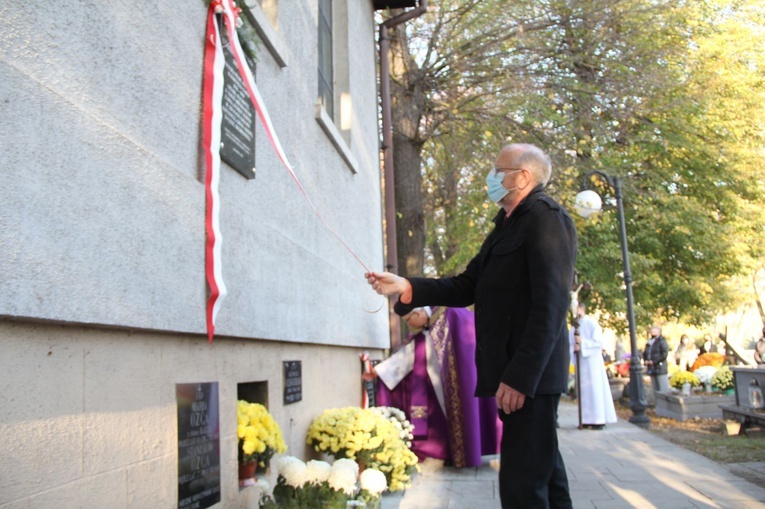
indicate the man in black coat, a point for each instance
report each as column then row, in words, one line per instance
column 655, row 357
column 519, row 282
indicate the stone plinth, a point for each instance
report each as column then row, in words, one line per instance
column 687, row 407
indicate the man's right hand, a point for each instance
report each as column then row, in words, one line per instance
column 508, row 399
column 386, row 283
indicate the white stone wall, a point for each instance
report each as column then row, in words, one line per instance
column 103, row 196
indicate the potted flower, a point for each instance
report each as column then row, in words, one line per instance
column 708, row 359
column 399, row 420
column 368, row 438
column 259, row 439
column 705, row 374
column 681, row 378
column 722, row 380
column 319, row 485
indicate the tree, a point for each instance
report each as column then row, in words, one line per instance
column 634, row 88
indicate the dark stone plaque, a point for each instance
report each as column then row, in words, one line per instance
column 237, row 137
column 370, row 387
column 293, row 382
column 198, row 445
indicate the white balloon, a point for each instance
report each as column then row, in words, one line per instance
column 587, row 203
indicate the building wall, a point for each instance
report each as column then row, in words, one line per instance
column 104, row 197
column 102, row 283
column 89, row 416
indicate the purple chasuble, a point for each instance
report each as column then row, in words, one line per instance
column 470, row 427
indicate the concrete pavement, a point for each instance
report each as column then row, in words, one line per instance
column 622, row 466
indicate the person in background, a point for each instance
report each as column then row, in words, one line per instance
column 708, row 346
column 431, row 378
column 597, row 404
column 519, row 282
column 759, row 350
column 655, row 357
column 685, row 353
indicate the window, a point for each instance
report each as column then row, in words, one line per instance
column 334, row 110
column 271, row 10
column 264, row 18
column 326, row 77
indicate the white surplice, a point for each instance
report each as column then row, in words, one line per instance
column 595, row 391
column 393, row 369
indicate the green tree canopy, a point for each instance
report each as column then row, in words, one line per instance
column 667, row 95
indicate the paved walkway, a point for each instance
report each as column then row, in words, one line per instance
column 623, row 466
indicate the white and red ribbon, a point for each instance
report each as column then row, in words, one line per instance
column 213, row 92
column 213, row 113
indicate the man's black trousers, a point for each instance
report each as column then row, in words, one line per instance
column 532, row 474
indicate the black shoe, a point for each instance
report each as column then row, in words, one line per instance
column 594, row 426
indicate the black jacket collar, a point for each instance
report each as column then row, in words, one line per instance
column 522, row 207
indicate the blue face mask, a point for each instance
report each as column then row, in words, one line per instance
column 495, row 189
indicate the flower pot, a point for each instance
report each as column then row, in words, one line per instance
column 247, row 473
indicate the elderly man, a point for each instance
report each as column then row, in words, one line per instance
column 655, row 357
column 519, row 282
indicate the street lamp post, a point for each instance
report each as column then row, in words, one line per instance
column 587, row 203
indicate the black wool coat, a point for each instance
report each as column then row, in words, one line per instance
column 520, row 282
column 658, row 355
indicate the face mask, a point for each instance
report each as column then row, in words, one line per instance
column 495, row 189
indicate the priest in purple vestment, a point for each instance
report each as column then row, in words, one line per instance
column 432, row 377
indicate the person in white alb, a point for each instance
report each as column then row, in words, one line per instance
column 594, row 391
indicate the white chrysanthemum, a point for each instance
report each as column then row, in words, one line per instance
column 317, row 472
column 342, row 479
column 346, row 463
column 283, row 460
column 705, row 374
column 373, row 481
column 293, row 471
column 262, row 484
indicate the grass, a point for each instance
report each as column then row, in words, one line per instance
column 706, row 437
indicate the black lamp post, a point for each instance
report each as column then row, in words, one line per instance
column 588, row 202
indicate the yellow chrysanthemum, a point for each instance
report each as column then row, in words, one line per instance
column 260, row 436
column 248, row 447
column 366, row 437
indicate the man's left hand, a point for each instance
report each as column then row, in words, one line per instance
column 508, row 399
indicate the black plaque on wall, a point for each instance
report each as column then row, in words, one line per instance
column 237, row 137
column 198, row 445
column 370, row 386
column 293, row 381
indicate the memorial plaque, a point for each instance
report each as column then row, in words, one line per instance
column 198, row 445
column 370, row 387
column 237, row 137
column 293, row 382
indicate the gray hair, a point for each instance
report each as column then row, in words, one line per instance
column 535, row 160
